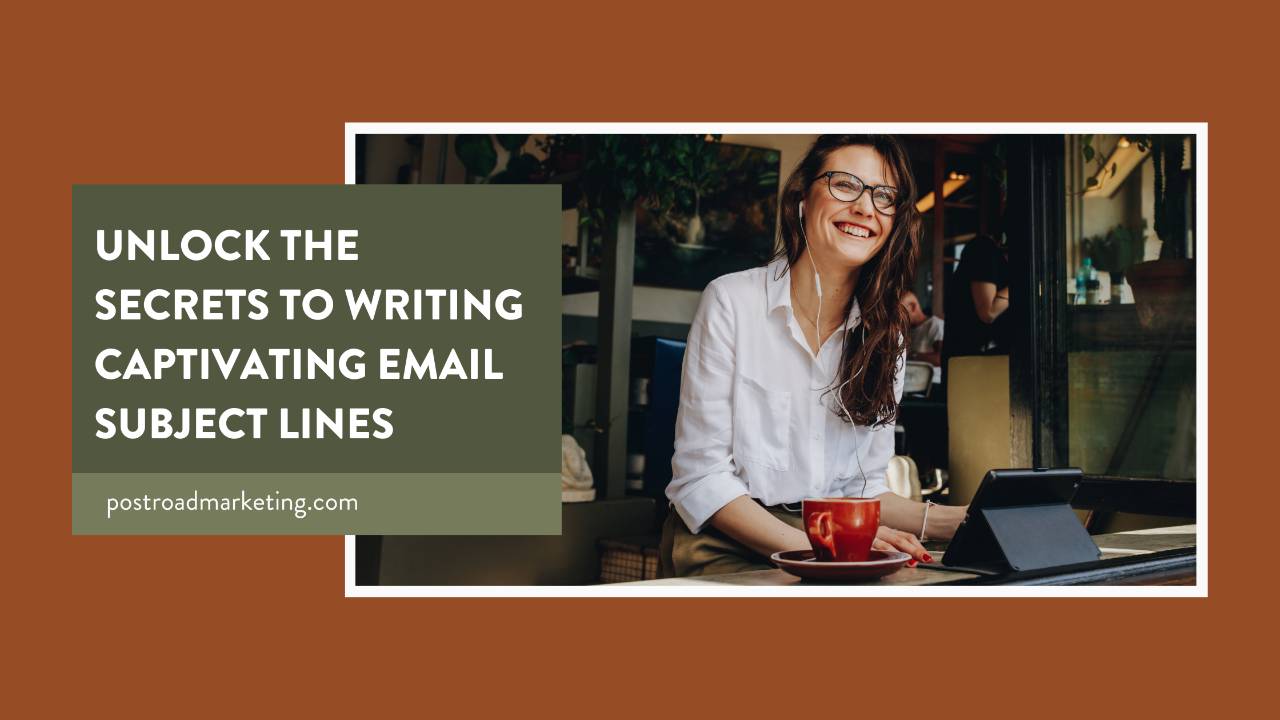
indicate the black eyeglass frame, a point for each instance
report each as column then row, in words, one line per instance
column 891, row 210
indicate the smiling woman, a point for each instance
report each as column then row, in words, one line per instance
column 860, row 199
column 793, row 371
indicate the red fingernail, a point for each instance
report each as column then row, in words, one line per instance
column 911, row 563
column 927, row 557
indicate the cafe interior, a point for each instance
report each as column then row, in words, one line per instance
column 1093, row 365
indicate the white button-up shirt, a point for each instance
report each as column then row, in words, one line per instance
column 753, row 419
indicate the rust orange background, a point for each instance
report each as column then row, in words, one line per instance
column 248, row 93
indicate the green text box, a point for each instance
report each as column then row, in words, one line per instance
column 410, row 237
column 385, row 504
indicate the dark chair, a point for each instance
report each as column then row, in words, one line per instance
column 660, row 420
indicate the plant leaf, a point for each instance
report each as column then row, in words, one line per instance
column 521, row 169
column 476, row 153
column 512, row 143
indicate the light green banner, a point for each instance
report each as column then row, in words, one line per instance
column 472, row 389
column 315, row 504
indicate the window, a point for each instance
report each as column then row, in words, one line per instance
column 1130, row 306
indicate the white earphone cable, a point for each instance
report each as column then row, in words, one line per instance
column 817, row 331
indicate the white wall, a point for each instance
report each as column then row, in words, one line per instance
column 384, row 154
column 653, row 304
column 1094, row 215
column 792, row 147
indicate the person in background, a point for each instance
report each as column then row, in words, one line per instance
column 977, row 295
column 926, row 332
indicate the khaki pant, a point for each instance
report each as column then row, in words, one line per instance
column 711, row 552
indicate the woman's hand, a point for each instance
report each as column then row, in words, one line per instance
column 889, row 540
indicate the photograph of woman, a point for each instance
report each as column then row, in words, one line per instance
column 794, row 371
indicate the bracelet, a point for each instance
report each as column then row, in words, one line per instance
column 928, row 504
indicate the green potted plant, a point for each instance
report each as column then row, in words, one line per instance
column 700, row 174
column 1116, row 252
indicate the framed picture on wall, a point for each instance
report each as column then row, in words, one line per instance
column 724, row 220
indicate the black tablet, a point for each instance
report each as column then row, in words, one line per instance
column 1022, row 520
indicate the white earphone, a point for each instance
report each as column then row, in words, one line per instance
column 817, row 279
column 817, row 322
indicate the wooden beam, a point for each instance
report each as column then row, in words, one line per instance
column 613, row 381
column 938, row 240
column 1034, row 222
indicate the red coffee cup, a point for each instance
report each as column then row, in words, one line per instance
column 842, row 529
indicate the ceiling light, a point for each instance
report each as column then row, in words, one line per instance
column 954, row 182
column 1112, row 173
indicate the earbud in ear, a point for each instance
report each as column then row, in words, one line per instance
column 801, row 209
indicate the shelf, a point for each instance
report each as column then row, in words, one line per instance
column 1103, row 328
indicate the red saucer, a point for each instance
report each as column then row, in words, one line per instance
column 802, row 564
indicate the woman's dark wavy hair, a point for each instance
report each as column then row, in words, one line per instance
column 871, row 357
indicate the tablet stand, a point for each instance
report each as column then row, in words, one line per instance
column 1034, row 537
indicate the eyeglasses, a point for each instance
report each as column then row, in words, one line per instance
column 847, row 187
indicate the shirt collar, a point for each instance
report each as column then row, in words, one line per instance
column 778, row 293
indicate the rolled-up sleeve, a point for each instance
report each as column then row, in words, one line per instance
column 704, row 476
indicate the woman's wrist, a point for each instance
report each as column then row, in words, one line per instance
column 943, row 520
column 796, row 540
column 751, row 525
